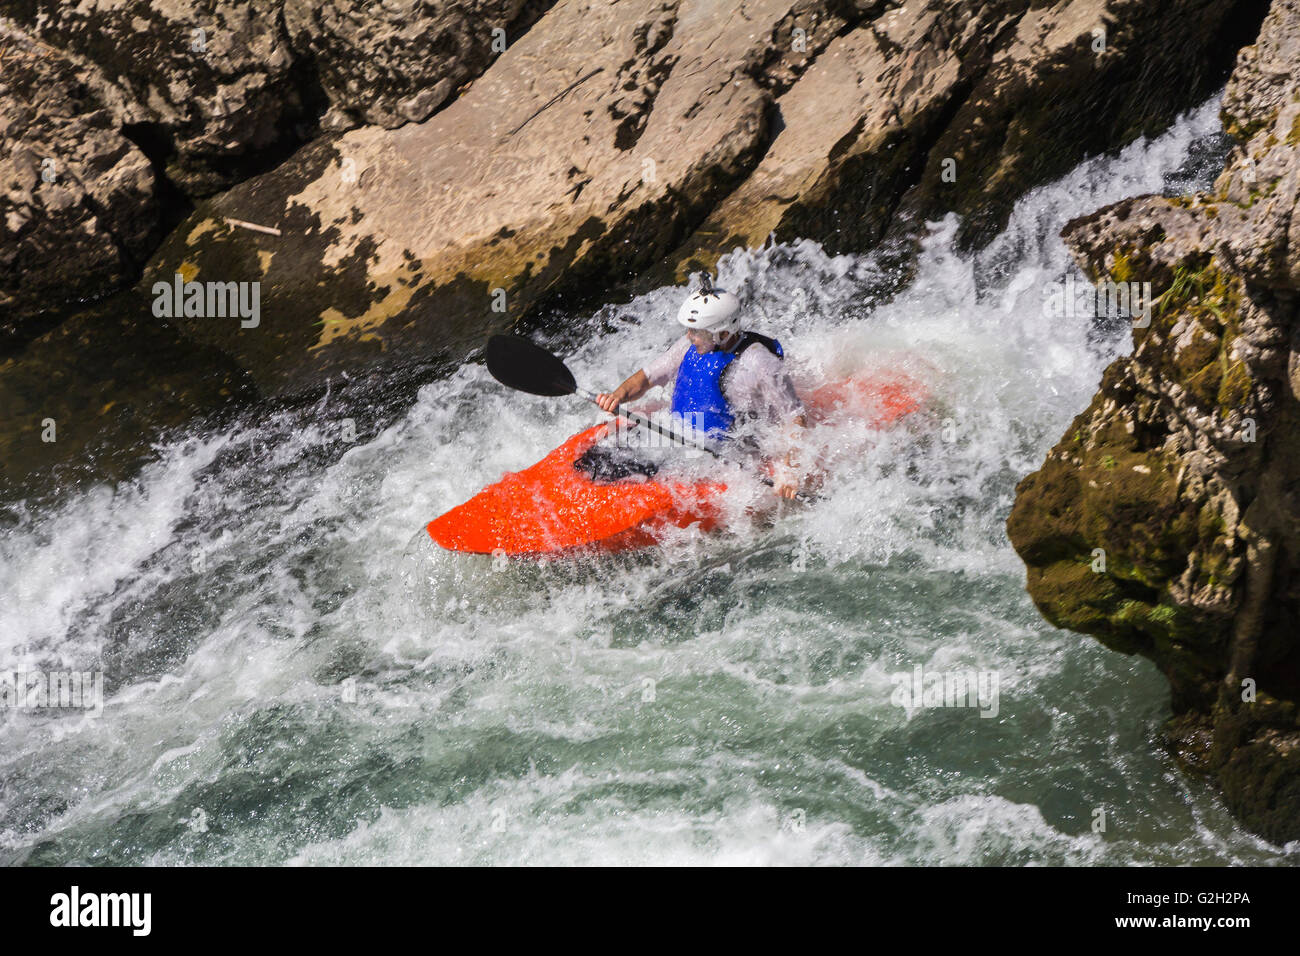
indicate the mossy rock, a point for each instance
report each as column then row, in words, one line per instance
column 1261, row 785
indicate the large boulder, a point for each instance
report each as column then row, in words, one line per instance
column 1166, row 521
column 207, row 93
column 618, row 140
column 942, row 107
column 218, row 89
column 589, row 150
column 397, row 61
column 77, row 208
column 207, row 88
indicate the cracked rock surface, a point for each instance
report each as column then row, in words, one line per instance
column 208, row 92
column 617, row 137
column 77, row 210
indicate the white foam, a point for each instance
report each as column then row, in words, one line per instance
column 769, row 672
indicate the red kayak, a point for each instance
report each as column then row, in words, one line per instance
column 554, row 506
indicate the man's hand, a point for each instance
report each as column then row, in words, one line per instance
column 787, row 475
column 786, row 481
column 636, row 386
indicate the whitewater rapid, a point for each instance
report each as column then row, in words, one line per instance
column 295, row 674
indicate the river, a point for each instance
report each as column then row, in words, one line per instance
column 295, row 674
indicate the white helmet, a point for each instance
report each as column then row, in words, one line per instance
column 710, row 309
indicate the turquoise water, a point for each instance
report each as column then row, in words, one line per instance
column 296, row 675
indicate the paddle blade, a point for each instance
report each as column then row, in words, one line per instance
column 517, row 363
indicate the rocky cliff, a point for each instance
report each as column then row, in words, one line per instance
column 622, row 138
column 1166, row 521
column 401, row 178
column 207, row 92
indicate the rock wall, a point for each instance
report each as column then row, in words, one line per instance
column 1182, row 475
column 78, row 203
column 208, row 92
column 617, row 138
column 610, row 144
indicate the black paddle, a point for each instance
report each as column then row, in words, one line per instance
column 519, row 363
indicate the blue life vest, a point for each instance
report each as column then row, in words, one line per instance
column 697, row 395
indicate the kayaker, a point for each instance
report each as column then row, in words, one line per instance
column 728, row 377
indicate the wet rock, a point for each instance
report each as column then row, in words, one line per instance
column 1182, row 473
column 86, row 400
column 208, row 93
column 937, row 107
column 622, row 141
column 77, row 209
column 588, row 151
column 219, row 89
column 208, row 88
column 397, row 61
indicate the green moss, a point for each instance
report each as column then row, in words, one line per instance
column 1162, row 614
column 1123, row 268
column 1218, row 568
column 1210, row 524
column 1256, row 194
column 1180, row 289
column 1293, row 137
column 1132, row 611
column 1243, row 132
column 1188, row 285
column 1234, row 388
column 1070, row 595
column 1212, row 299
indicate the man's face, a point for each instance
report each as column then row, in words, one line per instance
column 702, row 340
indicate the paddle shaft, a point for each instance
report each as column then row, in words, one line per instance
column 677, row 437
column 655, row 427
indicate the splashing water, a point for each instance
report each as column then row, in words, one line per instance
column 296, row 675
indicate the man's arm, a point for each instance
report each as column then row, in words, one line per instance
column 788, row 476
column 637, row 384
column 765, row 387
column 659, row 371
